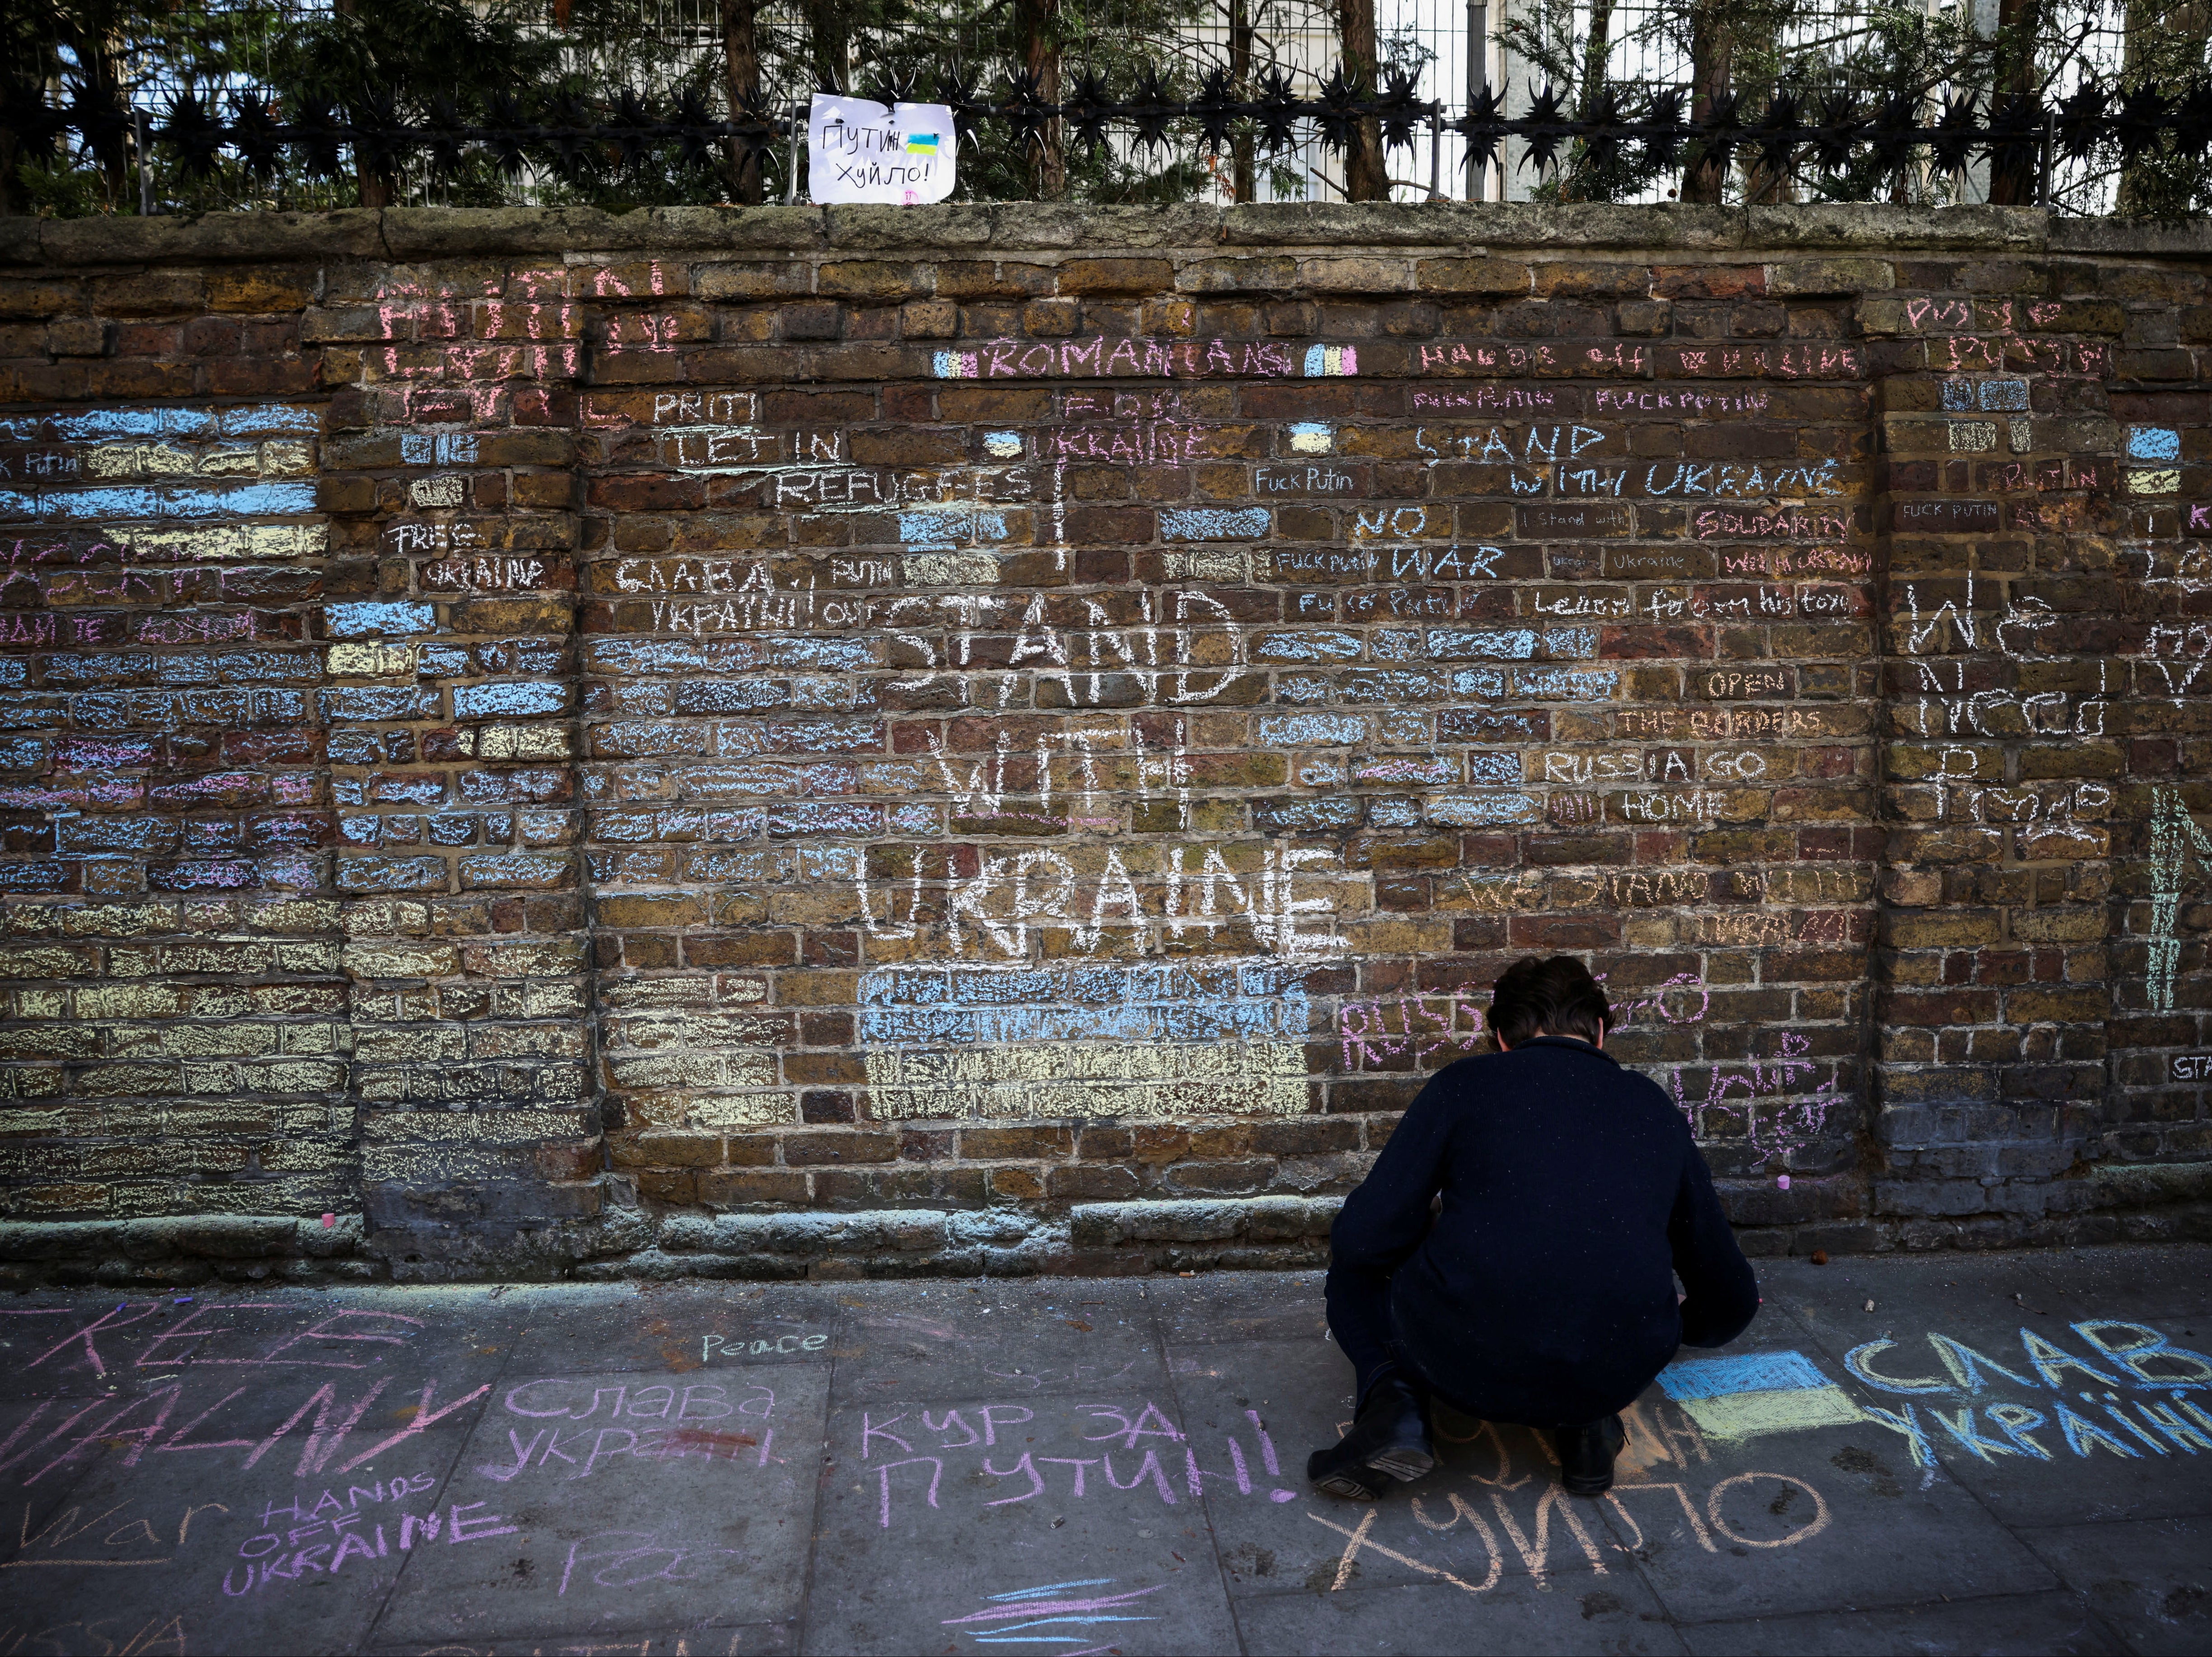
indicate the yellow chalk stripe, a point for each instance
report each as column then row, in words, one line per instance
column 1091, row 1079
column 1744, row 1415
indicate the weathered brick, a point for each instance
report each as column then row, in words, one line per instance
column 1088, row 730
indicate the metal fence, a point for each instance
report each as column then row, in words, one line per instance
column 1234, row 99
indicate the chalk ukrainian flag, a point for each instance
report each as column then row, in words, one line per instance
column 921, row 143
column 1760, row 1393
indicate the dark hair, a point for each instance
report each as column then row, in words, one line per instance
column 1558, row 997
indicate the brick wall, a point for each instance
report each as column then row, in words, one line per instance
column 957, row 739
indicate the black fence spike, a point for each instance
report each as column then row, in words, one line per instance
column 1088, row 111
column 1664, row 131
column 195, row 134
column 1216, row 108
column 1894, row 130
column 1277, row 111
column 2192, row 120
column 1838, row 128
column 98, row 115
column 1151, row 107
column 37, row 125
column 1955, row 135
column 318, row 138
column 1542, row 128
column 445, row 141
column 255, row 135
column 2141, row 121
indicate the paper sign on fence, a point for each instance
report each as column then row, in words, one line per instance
column 860, row 151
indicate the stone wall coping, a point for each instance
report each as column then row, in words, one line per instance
column 403, row 234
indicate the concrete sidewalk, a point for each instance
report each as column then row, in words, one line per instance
column 1959, row 1453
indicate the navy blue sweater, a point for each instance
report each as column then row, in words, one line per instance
column 1544, row 1291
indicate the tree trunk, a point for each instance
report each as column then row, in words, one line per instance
column 1597, row 53
column 2015, row 184
column 1711, row 52
column 1037, row 31
column 379, row 187
column 740, row 78
column 103, row 80
column 1365, row 177
column 1244, row 171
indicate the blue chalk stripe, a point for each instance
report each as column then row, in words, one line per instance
column 1755, row 1372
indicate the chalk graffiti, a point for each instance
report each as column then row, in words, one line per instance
column 291, row 1554
column 1737, row 1398
column 1531, row 1540
column 1773, row 1129
column 1142, row 1041
column 2174, row 838
column 137, row 1425
column 1009, row 1617
column 711, row 1347
column 630, row 1559
column 115, row 1635
column 672, row 1440
column 2125, row 1354
column 1102, row 357
column 1155, row 1470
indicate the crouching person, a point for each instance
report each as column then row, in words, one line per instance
column 1514, row 1250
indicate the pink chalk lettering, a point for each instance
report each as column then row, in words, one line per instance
column 884, row 1471
column 423, row 1419
column 1025, row 1466
column 322, row 1441
column 951, row 1416
column 1149, row 1467
column 460, row 1527
column 106, row 1320
column 870, row 1432
column 1079, row 1464
column 522, row 1454
column 177, row 1440
column 1196, row 1477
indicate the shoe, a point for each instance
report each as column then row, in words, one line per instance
column 1390, row 1440
column 1586, row 1455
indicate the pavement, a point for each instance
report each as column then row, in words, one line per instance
column 1972, row 1453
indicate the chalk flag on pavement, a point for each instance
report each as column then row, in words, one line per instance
column 1758, row 1393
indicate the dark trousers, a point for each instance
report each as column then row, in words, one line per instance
column 1364, row 1329
column 1365, row 1325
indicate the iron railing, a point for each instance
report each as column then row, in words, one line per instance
column 1789, row 133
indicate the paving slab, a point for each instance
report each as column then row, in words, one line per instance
column 1003, row 1340
column 676, row 1327
column 272, row 1461
column 2003, row 1454
column 2015, row 1625
column 1516, row 1615
column 2150, row 1580
column 2049, row 1394
column 1242, row 1306
column 2151, row 1281
column 625, row 1499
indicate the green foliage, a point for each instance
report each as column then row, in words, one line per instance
column 1900, row 50
column 1546, row 35
column 2166, row 45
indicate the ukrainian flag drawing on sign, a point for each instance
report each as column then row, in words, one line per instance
column 1760, row 1393
column 921, row 143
